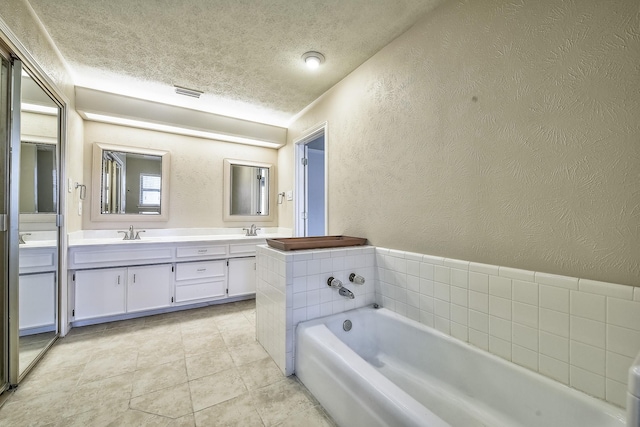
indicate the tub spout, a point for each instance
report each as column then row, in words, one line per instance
column 346, row 293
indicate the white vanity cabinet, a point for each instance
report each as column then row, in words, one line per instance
column 201, row 280
column 37, row 289
column 111, row 291
column 100, row 292
column 242, row 276
column 149, row 287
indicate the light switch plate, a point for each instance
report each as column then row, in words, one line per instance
column 289, row 195
column 69, row 185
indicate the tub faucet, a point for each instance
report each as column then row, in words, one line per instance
column 346, row 293
column 252, row 231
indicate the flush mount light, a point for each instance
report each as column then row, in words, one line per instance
column 313, row 59
column 188, row 92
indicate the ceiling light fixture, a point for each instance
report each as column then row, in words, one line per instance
column 188, row 92
column 313, row 59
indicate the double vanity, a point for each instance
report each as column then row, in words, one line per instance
column 112, row 279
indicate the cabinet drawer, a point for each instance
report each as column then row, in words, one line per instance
column 197, row 270
column 201, row 290
column 201, row 251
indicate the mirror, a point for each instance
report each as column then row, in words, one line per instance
column 129, row 184
column 38, row 178
column 247, row 194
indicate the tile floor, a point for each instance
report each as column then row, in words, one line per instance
column 200, row 367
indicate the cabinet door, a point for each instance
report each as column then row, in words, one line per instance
column 149, row 287
column 242, row 276
column 100, row 292
column 37, row 303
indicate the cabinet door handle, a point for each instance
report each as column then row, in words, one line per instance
column 134, row 278
column 201, row 269
column 118, row 279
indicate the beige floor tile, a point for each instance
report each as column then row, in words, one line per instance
column 109, row 364
column 43, row 410
column 197, row 344
column 158, row 377
column 101, row 416
column 186, row 421
column 87, row 330
column 314, row 417
column 62, row 379
column 172, row 402
column 137, row 418
column 238, row 411
column 149, row 356
column 279, row 401
column 247, row 353
column 92, row 396
column 260, row 373
column 204, row 364
column 238, row 337
column 213, row 389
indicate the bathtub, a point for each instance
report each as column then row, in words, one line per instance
column 391, row 371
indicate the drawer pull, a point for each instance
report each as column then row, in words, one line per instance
column 201, row 269
column 202, row 251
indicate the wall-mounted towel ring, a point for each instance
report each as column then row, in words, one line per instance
column 83, row 190
column 281, row 197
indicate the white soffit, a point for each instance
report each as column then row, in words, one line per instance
column 113, row 108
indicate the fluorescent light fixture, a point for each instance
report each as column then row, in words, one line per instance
column 41, row 109
column 313, row 59
column 177, row 130
column 188, row 92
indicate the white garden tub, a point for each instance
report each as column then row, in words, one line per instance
column 391, row 371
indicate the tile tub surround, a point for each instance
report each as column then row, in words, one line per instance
column 580, row 332
column 291, row 287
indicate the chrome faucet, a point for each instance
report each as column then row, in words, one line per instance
column 346, row 293
column 131, row 234
column 252, row 231
column 21, row 238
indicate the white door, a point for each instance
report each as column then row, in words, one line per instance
column 149, row 287
column 37, row 303
column 242, row 276
column 311, row 183
column 100, row 292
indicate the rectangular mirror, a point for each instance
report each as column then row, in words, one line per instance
column 129, row 184
column 247, row 191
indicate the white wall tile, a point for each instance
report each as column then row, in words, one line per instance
column 459, row 331
column 525, row 336
column 426, row 287
column 441, row 291
column 479, row 339
column 413, row 268
column 479, row 282
column 479, row 302
column 413, row 283
column 587, row 382
column 554, row 298
column 554, row 368
column 459, row 296
column 636, row 294
column 459, row 315
column 618, row 366
column 557, row 281
column 500, row 328
column 460, row 278
column 456, row 263
column 515, row 273
column 436, row 260
column 479, row 321
column 442, row 274
column 427, row 319
column 500, row 347
column 526, row 292
column 587, row 305
column 412, row 256
column 587, row 331
column 442, row 324
column 441, row 308
column 623, row 313
column 500, row 286
column 426, row 270
column 524, row 357
column 500, row 307
column 426, row 303
column 484, row 268
column 554, row 346
column 616, row 392
column 587, row 357
column 607, row 289
column 525, row 314
column 623, row 341
column 554, row 322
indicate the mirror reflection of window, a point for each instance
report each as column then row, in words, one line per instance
column 150, row 186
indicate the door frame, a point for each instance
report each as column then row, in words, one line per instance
column 300, row 205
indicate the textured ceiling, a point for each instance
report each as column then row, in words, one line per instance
column 245, row 55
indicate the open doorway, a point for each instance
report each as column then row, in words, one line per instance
column 311, row 183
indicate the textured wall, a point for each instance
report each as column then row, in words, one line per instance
column 503, row 132
column 196, row 181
